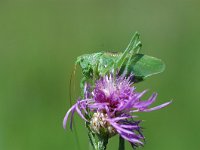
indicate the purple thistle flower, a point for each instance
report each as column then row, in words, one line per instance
column 112, row 104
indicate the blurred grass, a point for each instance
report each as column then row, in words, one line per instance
column 40, row 40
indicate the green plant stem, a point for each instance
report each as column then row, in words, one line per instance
column 121, row 143
column 102, row 143
column 92, row 141
column 90, row 146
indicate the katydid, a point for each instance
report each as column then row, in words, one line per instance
column 129, row 62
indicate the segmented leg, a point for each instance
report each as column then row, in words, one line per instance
column 135, row 49
column 132, row 48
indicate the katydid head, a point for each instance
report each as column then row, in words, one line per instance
column 89, row 64
column 85, row 63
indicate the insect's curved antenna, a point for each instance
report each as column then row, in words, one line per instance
column 70, row 84
column 72, row 77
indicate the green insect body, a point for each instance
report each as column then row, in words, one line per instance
column 128, row 62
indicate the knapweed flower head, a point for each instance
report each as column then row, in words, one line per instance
column 110, row 107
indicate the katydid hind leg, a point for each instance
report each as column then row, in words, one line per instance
column 134, row 51
column 133, row 47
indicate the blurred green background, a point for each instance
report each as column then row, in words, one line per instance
column 40, row 40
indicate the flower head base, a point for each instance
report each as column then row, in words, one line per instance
column 100, row 125
column 112, row 104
